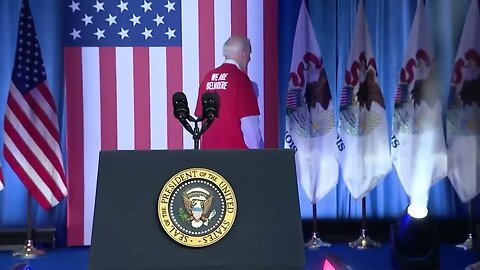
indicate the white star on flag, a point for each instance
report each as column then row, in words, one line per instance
column 170, row 33
column 159, row 20
column 170, row 6
column 122, row 6
column 146, row 6
column 74, row 6
column 75, row 33
column 135, row 20
column 111, row 19
column 147, row 33
column 99, row 6
column 123, row 33
column 99, row 33
column 87, row 19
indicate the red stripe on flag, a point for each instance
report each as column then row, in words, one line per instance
column 33, row 160
column 270, row 61
column 141, row 92
column 75, row 144
column 40, row 113
column 108, row 99
column 206, row 37
column 174, row 84
column 47, row 95
column 239, row 17
column 27, row 181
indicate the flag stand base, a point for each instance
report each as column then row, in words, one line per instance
column 468, row 244
column 28, row 251
column 315, row 242
column 363, row 241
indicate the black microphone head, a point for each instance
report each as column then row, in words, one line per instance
column 180, row 106
column 210, row 104
column 211, row 95
column 179, row 97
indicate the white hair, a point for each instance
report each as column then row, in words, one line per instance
column 234, row 46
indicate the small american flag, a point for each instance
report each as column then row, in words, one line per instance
column 32, row 139
column 347, row 97
column 402, row 94
column 294, row 98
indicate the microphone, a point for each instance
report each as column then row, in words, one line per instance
column 210, row 105
column 181, row 110
column 180, row 106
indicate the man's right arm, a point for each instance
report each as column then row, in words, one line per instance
column 252, row 135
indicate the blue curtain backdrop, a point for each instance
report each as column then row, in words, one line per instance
column 389, row 23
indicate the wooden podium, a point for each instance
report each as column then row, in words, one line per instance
column 266, row 232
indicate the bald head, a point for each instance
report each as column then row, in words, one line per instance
column 238, row 48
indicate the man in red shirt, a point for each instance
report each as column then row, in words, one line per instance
column 237, row 125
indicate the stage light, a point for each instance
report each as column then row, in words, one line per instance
column 417, row 210
column 414, row 241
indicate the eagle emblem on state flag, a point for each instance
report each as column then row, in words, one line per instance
column 361, row 96
column 464, row 97
column 309, row 98
column 416, row 94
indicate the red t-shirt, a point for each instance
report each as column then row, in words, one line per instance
column 237, row 100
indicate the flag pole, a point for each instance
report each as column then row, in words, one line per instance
column 28, row 250
column 364, row 241
column 468, row 243
column 315, row 241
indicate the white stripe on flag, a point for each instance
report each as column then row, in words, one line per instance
column 190, row 61
column 125, row 98
column 158, row 98
column 256, row 66
column 223, row 29
column 91, row 133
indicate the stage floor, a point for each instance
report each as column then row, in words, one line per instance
column 452, row 258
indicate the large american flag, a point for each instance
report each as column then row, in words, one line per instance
column 32, row 138
column 124, row 60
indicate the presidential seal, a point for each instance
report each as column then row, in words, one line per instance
column 197, row 207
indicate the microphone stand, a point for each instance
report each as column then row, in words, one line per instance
column 182, row 113
column 197, row 132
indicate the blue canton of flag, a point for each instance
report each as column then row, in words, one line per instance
column 28, row 70
column 122, row 24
